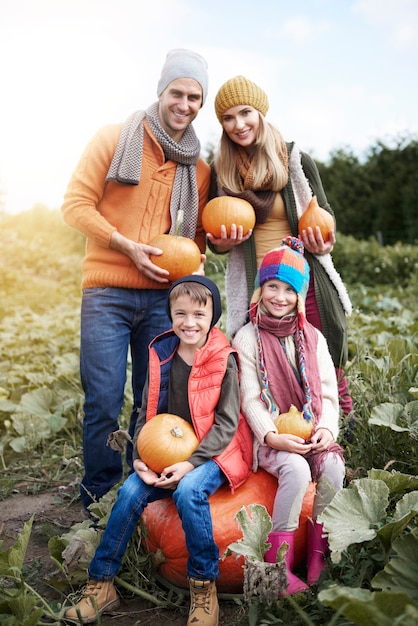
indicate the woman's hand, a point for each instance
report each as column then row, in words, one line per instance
column 314, row 243
column 224, row 243
column 288, row 443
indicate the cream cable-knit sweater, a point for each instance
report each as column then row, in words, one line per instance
column 260, row 420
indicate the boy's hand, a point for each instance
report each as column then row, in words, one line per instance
column 145, row 473
column 172, row 475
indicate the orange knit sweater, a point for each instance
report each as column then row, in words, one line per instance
column 140, row 212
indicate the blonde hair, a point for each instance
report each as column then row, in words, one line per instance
column 270, row 155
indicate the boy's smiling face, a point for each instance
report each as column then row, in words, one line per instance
column 191, row 320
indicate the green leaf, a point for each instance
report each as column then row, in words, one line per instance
column 37, row 402
column 401, row 573
column 7, row 407
column 396, row 481
column 388, row 414
column 366, row 608
column 255, row 530
column 354, row 513
column 406, row 509
column 11, row 560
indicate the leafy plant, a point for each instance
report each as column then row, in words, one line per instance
column 20, row 603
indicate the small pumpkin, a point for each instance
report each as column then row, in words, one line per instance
column 165, row 535
column 181, row 255
column 165, row 439
column 227, row 210
column 293, row 423
column 313, row 216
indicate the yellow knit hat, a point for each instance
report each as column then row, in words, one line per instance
column 240, row 90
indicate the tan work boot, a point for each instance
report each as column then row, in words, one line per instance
column 98, row 597
column 204, row 607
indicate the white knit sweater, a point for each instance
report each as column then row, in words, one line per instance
column 260, row 420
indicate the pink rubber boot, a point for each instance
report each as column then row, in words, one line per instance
column 276, row 539
column 317, row 550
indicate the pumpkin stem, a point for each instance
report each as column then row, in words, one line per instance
column 176, row 431
column 179, row 223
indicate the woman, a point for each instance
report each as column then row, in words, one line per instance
column 255, row 163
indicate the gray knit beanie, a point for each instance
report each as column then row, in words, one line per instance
column 181, row 63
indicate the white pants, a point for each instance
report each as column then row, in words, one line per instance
column 293, row 472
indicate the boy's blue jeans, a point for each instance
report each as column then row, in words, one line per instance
column 113, row 321
column 191, row 499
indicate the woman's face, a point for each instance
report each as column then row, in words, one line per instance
column 241, row 124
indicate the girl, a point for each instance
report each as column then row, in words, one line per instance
column 284, row 360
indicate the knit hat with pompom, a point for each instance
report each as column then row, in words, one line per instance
column 288, row 264
column 240, row 90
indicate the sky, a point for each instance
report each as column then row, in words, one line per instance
column 339, row 74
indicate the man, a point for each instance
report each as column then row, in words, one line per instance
column 126, row 189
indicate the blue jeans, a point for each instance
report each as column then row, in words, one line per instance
column 112, row 321
column 191, row 500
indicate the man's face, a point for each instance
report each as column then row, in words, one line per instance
column 179, row 105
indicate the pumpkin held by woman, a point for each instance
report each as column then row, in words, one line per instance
column 314, row 216
column 165, row 536
column 227, row 210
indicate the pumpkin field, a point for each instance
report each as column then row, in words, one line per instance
column 372, row 578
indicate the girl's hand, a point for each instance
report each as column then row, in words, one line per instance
column 147, row 475
column 172, row 475
column 321, row 440
column 314, row 243
column 224, row 243
column 288, row 443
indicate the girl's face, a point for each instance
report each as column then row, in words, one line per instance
column 241, row 124
column 279, row 298
column 191, row 320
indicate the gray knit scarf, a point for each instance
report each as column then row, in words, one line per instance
column 126, row 164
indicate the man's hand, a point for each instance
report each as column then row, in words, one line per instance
column 139, row 253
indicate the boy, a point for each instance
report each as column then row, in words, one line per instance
column 192, row 373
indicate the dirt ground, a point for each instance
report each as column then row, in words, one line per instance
column 54, row 515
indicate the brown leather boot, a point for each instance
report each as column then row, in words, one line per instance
column 204, row 607
column 98, row 597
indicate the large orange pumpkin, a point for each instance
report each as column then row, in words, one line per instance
column 313, row 216
column 165, row 536
column 227, row 210
column 165, row 439
column 293, row 423
column 181, row 255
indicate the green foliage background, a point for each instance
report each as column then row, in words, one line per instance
column 41, row 397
